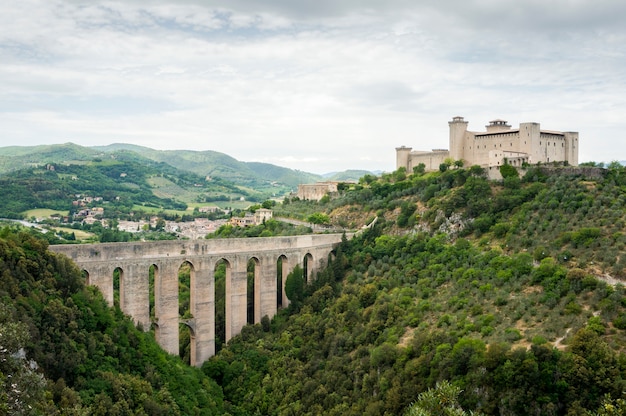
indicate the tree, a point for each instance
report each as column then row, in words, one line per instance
column 294, row 285
column 508, row 171
column 268, row 204
column 367, row 179
column 419, row 169
column 400, row 174
column 160, row 224
column 21, row 388
column 443, row 400
column 610, row 407
column 318, row 218
column 476, row 170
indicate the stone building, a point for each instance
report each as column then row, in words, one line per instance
column 246, row 221
column 261, row 215
column 316, row 191
column 491, row 148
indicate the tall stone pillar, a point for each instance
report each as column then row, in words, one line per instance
column 135, row 294
column 203, row 310
column 236, row 297
column 268, row 289
column 166, row 307
column 101, row 275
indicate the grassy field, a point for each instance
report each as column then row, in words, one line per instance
column 152, row 210
column 80, row 234
column 43, row 213
column 164, row 188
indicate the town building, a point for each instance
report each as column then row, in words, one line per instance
column 245, row 221
column 498, row 145
column 261, row 215
column 316, row 191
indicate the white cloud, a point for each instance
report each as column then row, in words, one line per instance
column 318, row 86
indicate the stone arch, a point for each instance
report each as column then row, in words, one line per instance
column 282, row 270
column 222, row 270
column 154, row 291
column 118, row 288
column 332, row 256
column 253, row 290
column 308, row 267
column 85, row 275
column 188, row 325
column 186, row 310
column 186, row 284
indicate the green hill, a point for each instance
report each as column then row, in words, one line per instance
column 83, row 357
column 504, row 289
column 18, row 157
column 508, row 291
column 210, row 163
column 350, row 175
column 120, row 184
column 261, row 178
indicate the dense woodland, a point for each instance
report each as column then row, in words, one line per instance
column 464, row 295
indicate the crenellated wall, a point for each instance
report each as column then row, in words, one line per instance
column 134, row 260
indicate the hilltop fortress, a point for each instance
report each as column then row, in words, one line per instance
column 492, row 148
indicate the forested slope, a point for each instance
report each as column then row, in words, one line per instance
column 497, row 288
column 94, row 360
column 491, row 286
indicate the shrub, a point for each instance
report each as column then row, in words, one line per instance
column 620, row 321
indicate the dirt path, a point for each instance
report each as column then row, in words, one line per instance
column 558, row 343
column 609, row 280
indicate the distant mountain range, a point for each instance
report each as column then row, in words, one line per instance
column 206, row 163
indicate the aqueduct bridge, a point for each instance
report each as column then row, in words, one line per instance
column 134, row 260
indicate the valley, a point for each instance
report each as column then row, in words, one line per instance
column 506, row 295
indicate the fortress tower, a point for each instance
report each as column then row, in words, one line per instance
column 458, row 131
column 571, row 147
column 403, row 155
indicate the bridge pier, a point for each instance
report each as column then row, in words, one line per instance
column 135, row 293
column 266, row 303
column 236, row 297
column 203, row 311
column 166, row 307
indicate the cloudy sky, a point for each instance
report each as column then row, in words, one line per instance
column 315, row 85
